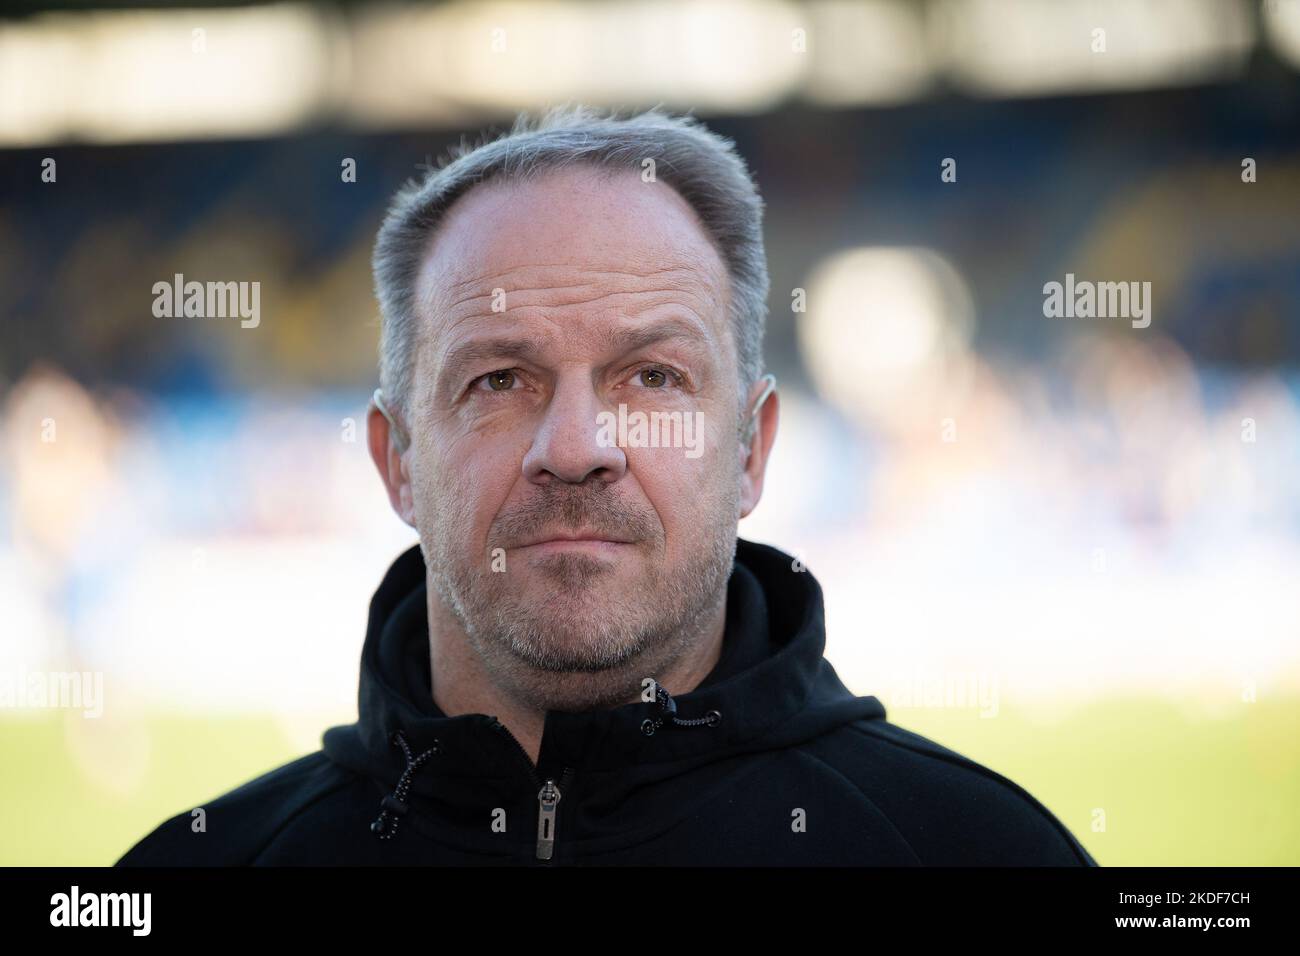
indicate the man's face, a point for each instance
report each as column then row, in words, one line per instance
column 543, row 305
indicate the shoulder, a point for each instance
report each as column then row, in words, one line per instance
column 236, row 827
column 951, row 810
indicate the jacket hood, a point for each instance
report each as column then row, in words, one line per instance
column 770, row 689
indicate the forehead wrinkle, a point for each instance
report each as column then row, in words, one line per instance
column 694, row 287
column 629, row 303
column 488, row 276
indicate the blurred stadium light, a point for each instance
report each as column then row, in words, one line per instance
column 1282, row 20
column 494, row 57
column 1031, row 47
column 155, row 75
column 910, row 318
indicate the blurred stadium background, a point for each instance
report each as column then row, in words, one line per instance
column 1066, row 547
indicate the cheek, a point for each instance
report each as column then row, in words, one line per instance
column 688, row 494
column 470, row 480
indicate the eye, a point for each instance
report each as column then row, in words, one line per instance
column 655, row 376
column 502, row 380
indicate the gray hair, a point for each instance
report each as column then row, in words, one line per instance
column 700, row 165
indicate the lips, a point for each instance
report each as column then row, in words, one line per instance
column 573, row 537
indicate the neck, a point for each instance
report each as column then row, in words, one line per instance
column 465, row 683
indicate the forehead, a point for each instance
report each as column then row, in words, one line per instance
column 581, row 243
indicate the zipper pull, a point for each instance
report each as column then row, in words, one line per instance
column 547, row 798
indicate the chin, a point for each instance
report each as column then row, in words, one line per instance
column 574, row 644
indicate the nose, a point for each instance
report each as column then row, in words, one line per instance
column 567, row 445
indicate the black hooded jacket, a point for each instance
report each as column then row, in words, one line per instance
column 769, row 761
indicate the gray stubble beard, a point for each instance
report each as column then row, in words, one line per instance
column 521, row 647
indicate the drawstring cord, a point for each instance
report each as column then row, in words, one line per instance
column 393, row 807
column 668, row 711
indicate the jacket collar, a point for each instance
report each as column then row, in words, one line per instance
column 770, row 670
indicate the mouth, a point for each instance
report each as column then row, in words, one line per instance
column 561, row 542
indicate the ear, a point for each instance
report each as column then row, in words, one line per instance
column 758, row 447
column 390, row 463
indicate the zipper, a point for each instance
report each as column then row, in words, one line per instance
column 549, row 793
column 548, row 799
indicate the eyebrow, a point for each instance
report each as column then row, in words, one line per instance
column 468, row 353
column 620, row 341
column 629, row 340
